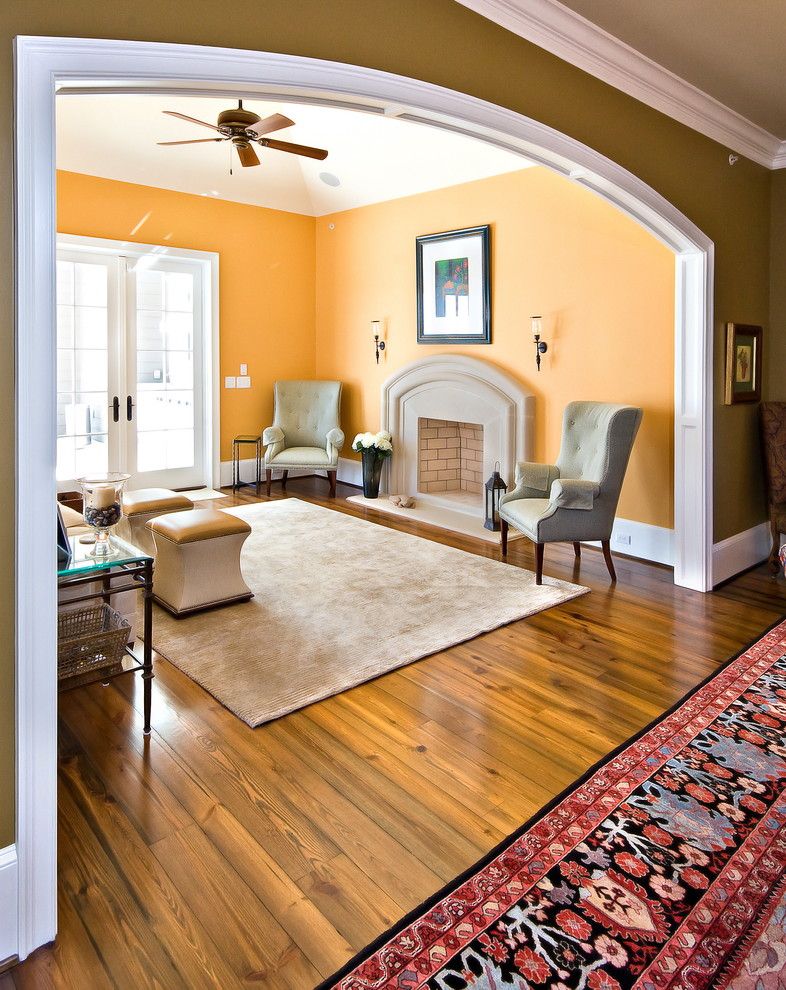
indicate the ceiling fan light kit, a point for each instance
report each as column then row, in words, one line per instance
column 242, row 127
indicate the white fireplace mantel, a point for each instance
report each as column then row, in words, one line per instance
column 460, row 388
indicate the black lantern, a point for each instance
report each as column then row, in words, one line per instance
column 495, row 489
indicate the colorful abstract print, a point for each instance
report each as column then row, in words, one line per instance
column 663, row 869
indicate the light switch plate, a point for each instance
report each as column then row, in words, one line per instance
column 230, row 382
column 243, row 369
column 243, row 381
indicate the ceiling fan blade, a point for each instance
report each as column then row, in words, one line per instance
column 247, row 155
column 192, row 120
column 294, row 149
column 197, row 141
column 275, row 122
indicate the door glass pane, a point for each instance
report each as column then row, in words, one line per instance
column 82, row 369
column 165, row 370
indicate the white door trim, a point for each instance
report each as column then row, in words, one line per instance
column 209, row 263
column 44, row 64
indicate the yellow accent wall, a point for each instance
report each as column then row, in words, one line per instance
column 471, row 55
column 266, row 277
column 603, row 285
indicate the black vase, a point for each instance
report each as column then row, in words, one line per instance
column 372, row 471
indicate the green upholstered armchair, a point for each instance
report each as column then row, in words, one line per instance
column 575, row 499
column 305, row 434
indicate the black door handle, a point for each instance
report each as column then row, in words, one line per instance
column 116, row 409
column 129, row 408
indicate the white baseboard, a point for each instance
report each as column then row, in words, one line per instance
column 642, row 540
column 9, row 904
column 350, row 472
column 739, row 552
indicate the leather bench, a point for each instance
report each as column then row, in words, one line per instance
column 140, row 507
column 198, row 560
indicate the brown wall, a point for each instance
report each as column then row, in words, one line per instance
column 474, row 56
column 775, row 341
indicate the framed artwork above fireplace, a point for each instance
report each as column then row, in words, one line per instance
column 454, row 287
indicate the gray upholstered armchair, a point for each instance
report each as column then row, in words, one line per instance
column 305, row 434
column 576, row 498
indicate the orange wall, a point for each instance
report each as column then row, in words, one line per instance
column 604, row 287
column 266, row 277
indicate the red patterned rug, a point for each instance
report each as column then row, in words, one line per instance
column 663, row 868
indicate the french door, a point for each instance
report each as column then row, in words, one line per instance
column 130, row 366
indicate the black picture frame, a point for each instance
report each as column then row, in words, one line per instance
column 479, row 255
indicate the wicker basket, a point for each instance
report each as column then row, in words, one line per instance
column 91, row 642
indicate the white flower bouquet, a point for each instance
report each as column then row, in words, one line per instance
column 380, row 443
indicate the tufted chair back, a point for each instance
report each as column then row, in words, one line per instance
column 773, row 432
column 306, row 411
column 597, row 438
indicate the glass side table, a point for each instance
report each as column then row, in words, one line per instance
column 237, row 444
column 129, row 570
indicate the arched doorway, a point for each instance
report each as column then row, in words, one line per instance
column 43, row 65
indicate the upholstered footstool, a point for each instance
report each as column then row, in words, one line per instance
column 198, row 560
column 140, row 507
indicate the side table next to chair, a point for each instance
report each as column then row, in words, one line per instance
column 237, row 444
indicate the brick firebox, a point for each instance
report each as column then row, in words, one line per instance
column 450, row 456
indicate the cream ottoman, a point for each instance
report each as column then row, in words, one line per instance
column 198, row 560
column 140, row 507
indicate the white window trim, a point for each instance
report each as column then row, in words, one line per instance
column 208, row 261
column 44, row 64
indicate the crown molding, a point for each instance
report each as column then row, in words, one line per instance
column 571, row 37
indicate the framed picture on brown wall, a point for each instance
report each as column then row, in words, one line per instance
column 743, row 363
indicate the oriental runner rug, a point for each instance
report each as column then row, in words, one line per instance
column 662, row 868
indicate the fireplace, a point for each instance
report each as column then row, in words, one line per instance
column 452, row 394
column 450, row 458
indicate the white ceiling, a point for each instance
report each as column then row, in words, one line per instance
column 374, row 157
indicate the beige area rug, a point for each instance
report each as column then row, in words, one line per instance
column 338, row 601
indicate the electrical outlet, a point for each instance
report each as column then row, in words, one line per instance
column 243, row 369
column 623, row 539
column 230, row 382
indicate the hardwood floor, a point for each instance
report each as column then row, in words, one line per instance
column 215, row 855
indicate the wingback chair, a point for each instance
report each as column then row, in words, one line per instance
column 773, row 434
column 576, row 498
column 305, row 434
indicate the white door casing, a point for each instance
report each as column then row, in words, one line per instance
column 42, row 65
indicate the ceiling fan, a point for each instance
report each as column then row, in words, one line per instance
column 242, row 127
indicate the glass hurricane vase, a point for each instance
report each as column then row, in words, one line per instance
column 102, row 498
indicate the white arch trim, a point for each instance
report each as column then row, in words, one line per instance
column 44, row 65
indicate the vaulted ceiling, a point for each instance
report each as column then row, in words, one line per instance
column 372, row 157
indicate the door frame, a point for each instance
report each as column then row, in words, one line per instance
column 208, row 262
column 42, row 66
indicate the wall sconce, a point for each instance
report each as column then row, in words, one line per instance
column 379, row 343
column 540, row 345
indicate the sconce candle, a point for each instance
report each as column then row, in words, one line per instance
column 376, row 331
column 540, row 345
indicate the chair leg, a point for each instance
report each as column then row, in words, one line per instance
column 268, row 479
column 504, row 536
column 776, row 540
column 284, row 480
column 607, row 558
column 576, row 548
column 332, row 480
column 539, row 563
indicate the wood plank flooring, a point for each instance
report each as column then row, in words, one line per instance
column 215, row 855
